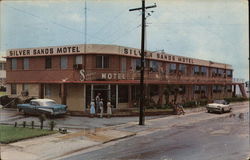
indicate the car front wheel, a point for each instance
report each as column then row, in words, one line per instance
column 222, row 110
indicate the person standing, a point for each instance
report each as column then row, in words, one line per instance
column 101, row 108
column 97, row 101
column 92, row 108
column 109, row 109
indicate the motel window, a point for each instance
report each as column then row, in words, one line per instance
column 182, row 68
column 204, row 71
column 102, row 61
column 13, row 89
column 172, row 68
column 123, row 64
column 203, row 89
column 214, row 88
column 137, row 64
column 229, row 88
column 48, row 62
column 182, row 90
column 196, row 70
column 154, row 90
column 64, row 62
column 78, row 59
column 214, row 72
column 47, row 90
column 13, row 63
column 220, row 72
column 25, row 87
column 229, row 73
column 122, row 93
column 154, row 66
column 26, row 63
column 196, row 89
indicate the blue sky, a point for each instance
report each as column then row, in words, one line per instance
column 214, row 30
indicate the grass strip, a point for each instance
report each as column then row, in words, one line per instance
column 9, row 134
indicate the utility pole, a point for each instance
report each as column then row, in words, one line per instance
column 142, row 97
column 85, row 27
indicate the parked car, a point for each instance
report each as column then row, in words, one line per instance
column 42, row 106
column 220, row 106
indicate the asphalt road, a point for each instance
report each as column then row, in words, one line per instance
column 223, row 138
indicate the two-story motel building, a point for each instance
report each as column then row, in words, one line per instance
column 74, row 74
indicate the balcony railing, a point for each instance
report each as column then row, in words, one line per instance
column 154, row 76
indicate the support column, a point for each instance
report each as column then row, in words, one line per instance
column 161, row 91
column 41, row 91
column 92, row 92
column 129, row 95
column 109, row 92
column 234, row 92
column 84, row 97
column 116, row 96
column 63, row 94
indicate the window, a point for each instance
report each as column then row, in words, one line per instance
column 203, row 89
column 13, row 88
column 78, row 59
column 13, row 63
column 25, row 87
column 64, row 62
column 214, row 72
column 102, row 61
column 123, row 64
column 122, row 93
column 214, row 88
column 182, row 68
column 229, row 73
column 48, row 62
column 229, row 88
column 172, row 68
column 182, row 90
column 220, row 72
column 47, row 90
column 204, row 71
column 196, row 70
column 137, row 64
column 154, row 66
column 26, row 63
column 196, row 89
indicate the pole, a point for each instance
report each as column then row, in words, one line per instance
column 142, row 97
column 142, row 116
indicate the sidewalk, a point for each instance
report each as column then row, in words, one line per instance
column 59, row 145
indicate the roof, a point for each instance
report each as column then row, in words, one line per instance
column 42, row 100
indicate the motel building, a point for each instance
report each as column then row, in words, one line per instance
column 75, row 74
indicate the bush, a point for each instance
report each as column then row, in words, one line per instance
column 236, row 99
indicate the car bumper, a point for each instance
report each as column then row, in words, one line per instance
column 58, row 113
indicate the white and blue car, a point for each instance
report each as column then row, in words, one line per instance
column 42, row 106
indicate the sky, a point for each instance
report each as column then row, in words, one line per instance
column 215, row 30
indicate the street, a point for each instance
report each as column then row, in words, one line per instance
column 197, row 135
column 225, row 137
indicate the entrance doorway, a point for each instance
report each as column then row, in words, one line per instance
column 104, row 91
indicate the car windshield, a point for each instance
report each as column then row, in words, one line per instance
column 219, row 101
column 47, row 103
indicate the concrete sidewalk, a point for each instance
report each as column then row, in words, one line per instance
column 53, row 146
column 61, row 145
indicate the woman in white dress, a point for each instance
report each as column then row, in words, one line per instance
column 109, row 109
column 92, row 108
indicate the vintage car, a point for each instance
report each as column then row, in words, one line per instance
column 220, row 106
column 42, row 106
